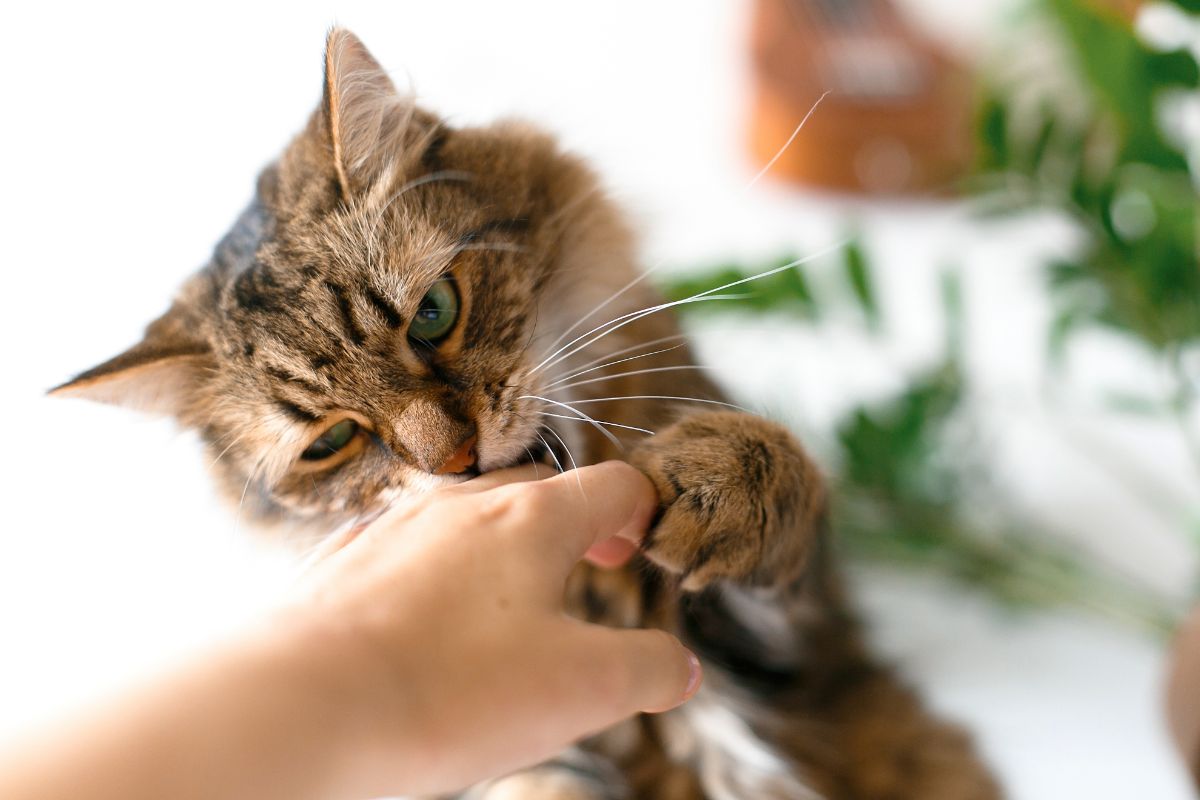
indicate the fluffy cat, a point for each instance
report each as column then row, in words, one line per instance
column 405, row 304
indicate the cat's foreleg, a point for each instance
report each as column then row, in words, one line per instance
column 741, row 501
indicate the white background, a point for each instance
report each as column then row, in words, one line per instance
column 130, row 140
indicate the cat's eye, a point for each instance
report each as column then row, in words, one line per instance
column 331, row 441
column 437, row 313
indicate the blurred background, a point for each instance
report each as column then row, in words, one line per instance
column 993, row 351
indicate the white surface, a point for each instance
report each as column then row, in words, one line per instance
column 131, row 139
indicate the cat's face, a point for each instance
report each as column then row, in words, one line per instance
column 367, row 328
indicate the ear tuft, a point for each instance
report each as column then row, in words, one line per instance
column 365, row 115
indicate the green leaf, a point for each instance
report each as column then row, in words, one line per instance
column 1192, row 6
column 858, row 275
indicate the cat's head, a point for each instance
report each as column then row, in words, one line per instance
column 369, row 326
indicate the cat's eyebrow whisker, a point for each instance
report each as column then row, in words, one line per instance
column 625, row 374
column 577, row 413
column 647, row 272
column 504, row 247
column 625, row 350
column 432, row 177
column 599, row 421
column 577, row 373
column 662, row 397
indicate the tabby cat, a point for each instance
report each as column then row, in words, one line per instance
column 404, row 305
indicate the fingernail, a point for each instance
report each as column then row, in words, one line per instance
column 695, row 675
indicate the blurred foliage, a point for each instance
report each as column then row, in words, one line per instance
column 1092, row 148
column 904, row 467
column 1100, row 156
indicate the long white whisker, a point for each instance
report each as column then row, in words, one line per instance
column 707, row 293
column 629, row 349
column 441, row 175
column 641, row 276
column 574, row 466
column 625, row 319
column 533, row 461
column 577, row 413
column 600, row 421
column 550, row 450
column 632, row 372
column 788, row 143
column 610, row 364
column 662, row 397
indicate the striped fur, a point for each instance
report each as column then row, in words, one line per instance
column 300, row 320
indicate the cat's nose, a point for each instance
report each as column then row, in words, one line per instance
column 434, row 439
column 462, row 459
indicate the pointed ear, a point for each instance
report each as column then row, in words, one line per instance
column 366, row 119
column 159, row 374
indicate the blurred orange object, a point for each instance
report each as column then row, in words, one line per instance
column 1183, row 694
column 898, row 116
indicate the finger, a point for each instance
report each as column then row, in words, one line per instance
column 504, row 477
column 332, row 544
column 644, row 671
column 611, row 553
column 571, row 512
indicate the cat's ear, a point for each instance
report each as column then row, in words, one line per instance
column 365, row 117
column 159, row 374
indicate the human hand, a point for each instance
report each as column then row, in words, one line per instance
column 444, row 622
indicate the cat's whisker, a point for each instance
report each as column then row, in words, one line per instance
column 431, row 177
column 550, row 450
column 647, row 272
column 534, row 462
column 641, row 276
column 237, row 519
column 577, row 413
column 617, row 323
column 571, row 456
column 631, row 317
column 767, row 167
column 228, row 447
column 503, row 247
column 577, row 373
column 600, row 421
column 625, row 350
column 626, row 374
column 662, row 397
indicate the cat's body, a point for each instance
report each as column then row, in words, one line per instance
column 404, row 302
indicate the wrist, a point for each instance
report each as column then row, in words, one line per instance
column 352, row 693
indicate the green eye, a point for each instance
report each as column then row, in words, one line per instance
column 437, row 314
column 331, row 441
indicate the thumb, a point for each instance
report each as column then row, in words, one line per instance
column 648, row 670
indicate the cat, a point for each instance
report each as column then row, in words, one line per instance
column 404, row 305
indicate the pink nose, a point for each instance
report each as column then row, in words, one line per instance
column 462, row 460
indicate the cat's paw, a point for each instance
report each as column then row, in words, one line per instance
column 739, row 499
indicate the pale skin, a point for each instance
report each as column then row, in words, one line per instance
column 426, row 653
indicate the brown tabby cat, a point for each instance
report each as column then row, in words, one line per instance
column 404, row 305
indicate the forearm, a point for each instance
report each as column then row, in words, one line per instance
column 262, row 719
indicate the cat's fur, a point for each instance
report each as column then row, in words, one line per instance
column 300, row 320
